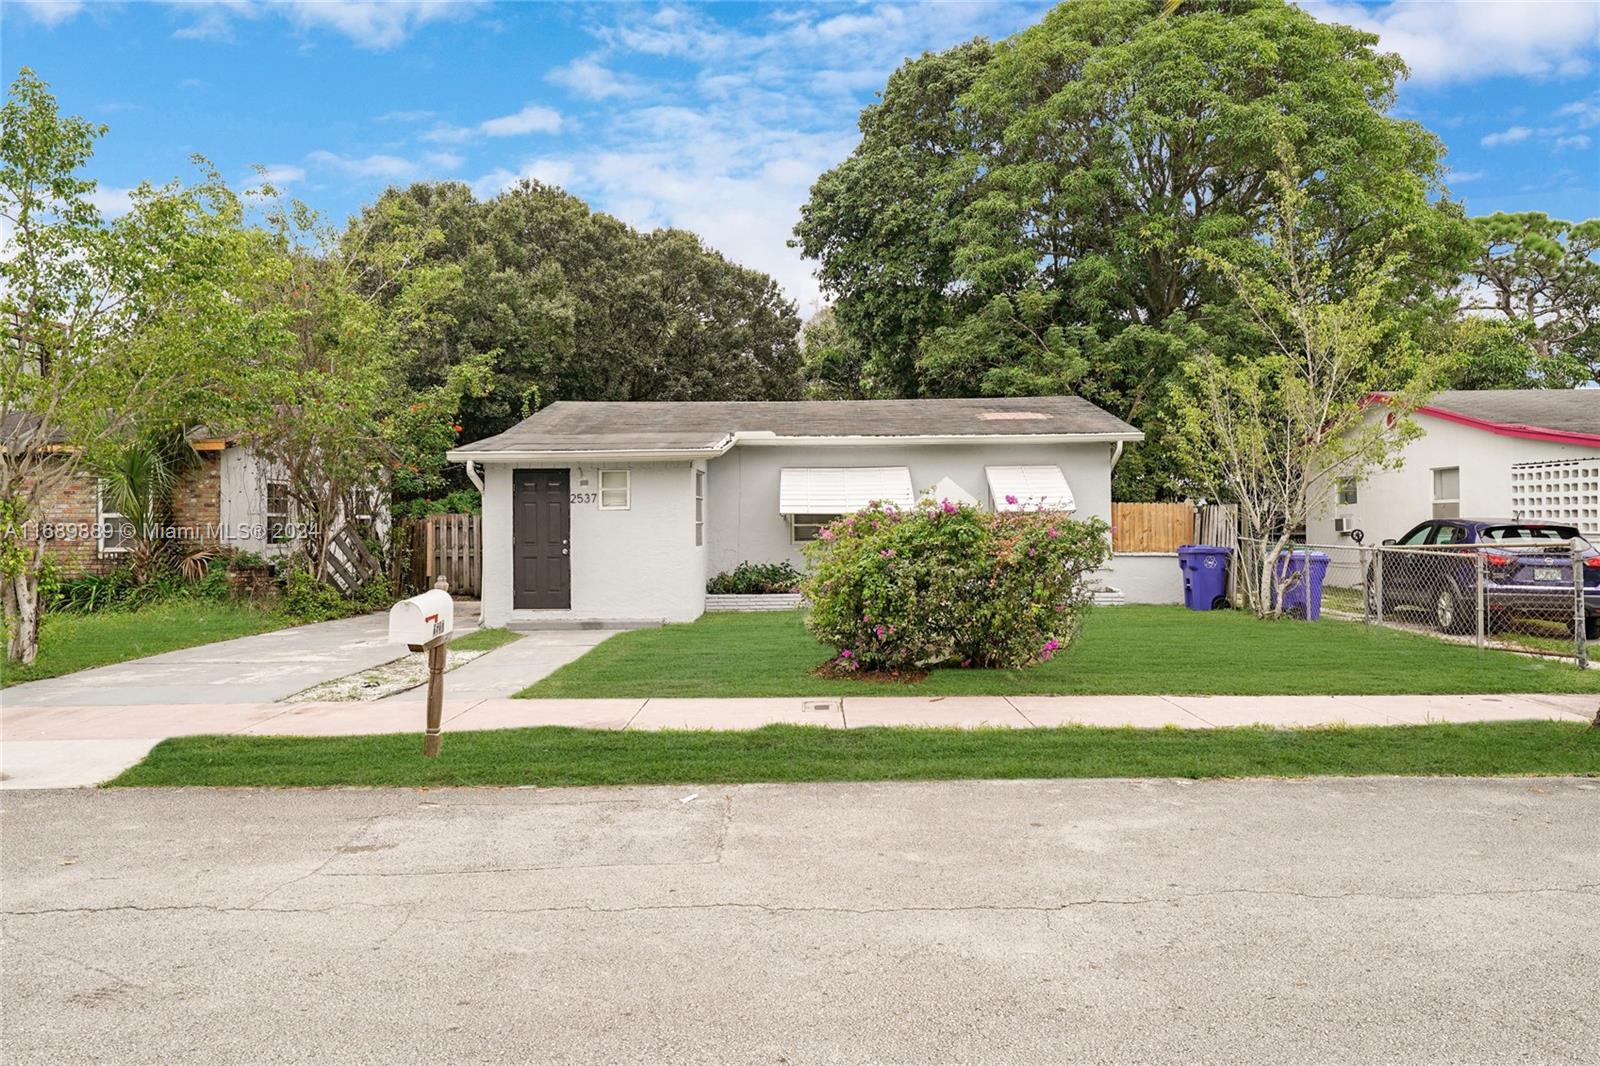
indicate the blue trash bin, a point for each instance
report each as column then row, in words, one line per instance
column 1205, row 576
column 1303, row 570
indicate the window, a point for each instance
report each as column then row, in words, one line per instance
column 699, row 508
column 1347, row 491
column 1447, row 492
column 615, row 494
column 1449, row 534
column 804, row 527
column 112, row 529
column 278, row 528
column 1419, row 535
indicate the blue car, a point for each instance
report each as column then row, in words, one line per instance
column 1519, row 580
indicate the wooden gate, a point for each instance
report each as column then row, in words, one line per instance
column 1151, row 527
column 441, row 545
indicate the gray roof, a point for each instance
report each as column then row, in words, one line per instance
column 578, row 426
column 1566, row 410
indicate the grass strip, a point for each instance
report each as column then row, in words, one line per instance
column 550, row 756
column 484, row 640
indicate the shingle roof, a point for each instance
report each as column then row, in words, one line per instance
column 662, row 426
column 1566, row 410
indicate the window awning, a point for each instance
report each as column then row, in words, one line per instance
column 841, row 489
column 1034, row 488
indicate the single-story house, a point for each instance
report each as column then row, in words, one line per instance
column 229, row 496
column 1503, row 453
column 619, row 512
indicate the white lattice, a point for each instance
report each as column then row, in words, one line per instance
column 1559, row 490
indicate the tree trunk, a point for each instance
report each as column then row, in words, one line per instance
column 22, row 617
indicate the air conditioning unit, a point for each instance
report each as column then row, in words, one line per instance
column 1344, row 525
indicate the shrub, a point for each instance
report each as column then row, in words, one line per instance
column 461, row 501
column 942, row 584
column 753, row 578
column 305, row 599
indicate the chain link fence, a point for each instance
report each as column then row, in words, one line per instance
column 1535, row 596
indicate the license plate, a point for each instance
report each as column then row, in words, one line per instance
column 1546, row 573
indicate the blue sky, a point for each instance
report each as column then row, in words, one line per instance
column 712, row 117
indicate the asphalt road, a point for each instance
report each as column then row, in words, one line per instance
column 1365, row 920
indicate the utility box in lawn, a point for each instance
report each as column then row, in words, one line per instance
column 424, row 623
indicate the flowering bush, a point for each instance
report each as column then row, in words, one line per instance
column 945, row 584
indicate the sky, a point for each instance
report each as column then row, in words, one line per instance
column 712, row 117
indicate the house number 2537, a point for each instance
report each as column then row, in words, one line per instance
column 583, row 497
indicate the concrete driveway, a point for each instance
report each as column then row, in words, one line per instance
column 1356, row 920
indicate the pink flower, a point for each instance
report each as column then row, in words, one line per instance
column 1032, row 552
column 1051, row 533
column 880, row 631
column 1046, row 656
column 1052, row 644
column 826, row 534
column 949, row 508
column 1012, row 500
column 888, row 553
column 846, row 654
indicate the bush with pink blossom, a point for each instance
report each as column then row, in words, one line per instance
column 948, row 585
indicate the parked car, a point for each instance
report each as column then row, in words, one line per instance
column 1520, row 579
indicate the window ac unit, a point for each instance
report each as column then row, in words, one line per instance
column 1344, row 525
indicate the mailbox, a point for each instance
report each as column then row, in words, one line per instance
column 422, row 619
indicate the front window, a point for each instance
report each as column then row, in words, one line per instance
column 114, row 531
column 278, row 529
column 1347, row 491
column 615, row 490
column 805, row 527
column 1447, row 492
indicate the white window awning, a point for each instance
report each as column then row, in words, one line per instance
column 947, row 489
column 842, row 489
column 1033, row 488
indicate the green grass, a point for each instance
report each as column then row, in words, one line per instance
column 558, row 756
column 1123, row 650
column 72, row 642
column 484, row 640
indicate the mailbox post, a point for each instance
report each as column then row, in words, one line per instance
column 424, row 623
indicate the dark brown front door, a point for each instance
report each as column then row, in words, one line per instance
column 541, row 526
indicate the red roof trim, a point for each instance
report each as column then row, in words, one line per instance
column 1506, row 429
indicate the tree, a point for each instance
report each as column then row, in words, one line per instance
column 331, row 406
column 571, row 304
column 109, row 326
column 1019, row 217
column 1541, row 277
column 830, row 362
column 1271, row 432
column 1491, row 353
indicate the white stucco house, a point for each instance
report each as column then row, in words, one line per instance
column 1509, row 453
column 619, row 512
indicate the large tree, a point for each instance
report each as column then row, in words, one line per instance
column 568, row 303
column 1539, row 278
column 110, row 327
column 1023, row 217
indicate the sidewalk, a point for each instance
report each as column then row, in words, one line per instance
column 58, row 747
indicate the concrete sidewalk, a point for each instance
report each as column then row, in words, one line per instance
column 54, row 747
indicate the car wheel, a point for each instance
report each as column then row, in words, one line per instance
column 1448, row 616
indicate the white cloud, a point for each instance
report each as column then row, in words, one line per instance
column 49, row 12
column 443, row 160
column 1576, row 140
column 373, row 24
column 444, row 133
column 111, row 202
column 531, row 119
column 557, row 172
column 405, row 116
column 371, row 166
column 1514, row 135
column 1462, row 177
column 1464, row 40
column 589, row 78
column 1585, row 112
column 279, row 174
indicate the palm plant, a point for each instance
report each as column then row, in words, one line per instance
column 138, row 482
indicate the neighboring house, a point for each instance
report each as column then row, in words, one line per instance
column 1511, row 453
column 619, row 512
column 231, row 496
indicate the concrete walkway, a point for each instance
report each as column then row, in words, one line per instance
column 54, row 747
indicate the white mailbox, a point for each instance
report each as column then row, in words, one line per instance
column 422, row 619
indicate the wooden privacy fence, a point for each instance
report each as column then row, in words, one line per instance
column 440, row 545
column 1162, row 527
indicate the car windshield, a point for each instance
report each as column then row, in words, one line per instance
column 1521, row 531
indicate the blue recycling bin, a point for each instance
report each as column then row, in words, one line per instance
column 1303, row 570
column 1205, row 576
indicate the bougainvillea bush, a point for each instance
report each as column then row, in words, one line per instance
column 948, row 585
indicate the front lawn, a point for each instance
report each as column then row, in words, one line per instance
column 1135, row 650
column 71, row 642
column 553, row 756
